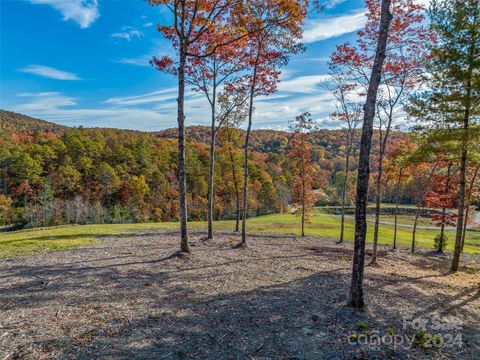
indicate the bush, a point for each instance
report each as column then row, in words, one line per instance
column 441, row 240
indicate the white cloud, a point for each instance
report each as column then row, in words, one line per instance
column 152, row 97
column 83, row 12
column 143, row 60
column 49, row 72
column 44, row 102
column 322, row 29
column 303, row 84
column 128, row 33
column 158, row 48
column 332, row 3
column 148, row 24
column 59, row 108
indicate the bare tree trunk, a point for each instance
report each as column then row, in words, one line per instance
column 245, row 165
column 465, row 223
column 467, row 212
column 444, row 211
column 235, row 182
column 211, row 174
column 397, row 200
column 211, row 177
column 461, row 211
column 344, row 197
column 414, row 232
column 419, row 206
column 356, row 298
column 378, row 198
column 210, row 182
column 303, row 199
column 182, row 182
column 378, row 190
column 463, row 160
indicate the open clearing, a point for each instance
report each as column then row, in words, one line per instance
column 323, row 225
column 282, row 297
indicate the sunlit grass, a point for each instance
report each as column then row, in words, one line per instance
column 63, row 237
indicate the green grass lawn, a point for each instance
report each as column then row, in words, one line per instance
column 62, row 237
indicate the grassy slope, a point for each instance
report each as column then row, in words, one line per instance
column 62, row 237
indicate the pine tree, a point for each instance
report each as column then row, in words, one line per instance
column 451, row 103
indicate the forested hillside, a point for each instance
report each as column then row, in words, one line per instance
column 15, row 122
column 53, row 174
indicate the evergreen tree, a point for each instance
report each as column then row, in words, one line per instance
column 451, row 103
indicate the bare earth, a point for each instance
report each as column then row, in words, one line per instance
column 281, row 298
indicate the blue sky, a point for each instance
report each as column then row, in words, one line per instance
column 85, row 62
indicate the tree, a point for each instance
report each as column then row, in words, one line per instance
column 424, row 162
column 406, row 49
column 67, row 180
column 473, row 192
column 420, row 189
column 192, row 21
column 398, row 170
column 356, row 297
column 108, row 178
column 442, row 195
column 5, row 209
column 212, row 76
column 232, row 145
column 274, row 29
column 450, row 103
column 348, row 111
column 302, row 166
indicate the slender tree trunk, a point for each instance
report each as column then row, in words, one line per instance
column 211, row 174
column 467, row 212
column 463, row 160
column 245, row 164
column 356, row 297
column 235, row 182
column 461, row 211
column 419, row 206
column 397, row 200
column 378, row 198
column 210, row 182
column 344, row 197
column 444, row 211
column 465, row 223
column 303, row 198
column 415, row 222
column 182, row 182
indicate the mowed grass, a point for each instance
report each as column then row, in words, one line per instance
column 63, row 237
column 23, row 242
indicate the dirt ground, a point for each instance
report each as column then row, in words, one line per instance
column 281, row 298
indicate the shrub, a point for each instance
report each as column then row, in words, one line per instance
column 441, row 240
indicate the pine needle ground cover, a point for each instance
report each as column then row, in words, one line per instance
column 129, row 296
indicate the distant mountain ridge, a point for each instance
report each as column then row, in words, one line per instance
column 12, row 121
column 262, row 140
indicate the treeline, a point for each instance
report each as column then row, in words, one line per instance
column 59, row 175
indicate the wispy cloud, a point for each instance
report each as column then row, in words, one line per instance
column 83, row 12
column 62, row 109
column 152, row 97
column 332, row 3
column 302, row 84
column 143, row 60
column 158, row 48
column 128, row 33
column 50, row 72
column 148, row 24
column 322, row 29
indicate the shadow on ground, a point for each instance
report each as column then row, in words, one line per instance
column 130, row 299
